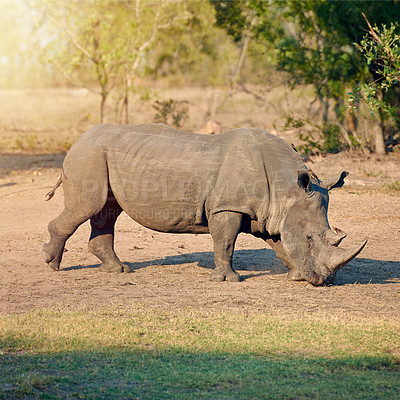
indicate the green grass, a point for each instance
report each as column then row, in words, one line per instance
column 394, row 186
column 392, row 189
column 149, row 354
column 370, row 173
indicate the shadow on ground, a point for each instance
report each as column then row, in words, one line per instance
column 173, row 373
column 360, row 270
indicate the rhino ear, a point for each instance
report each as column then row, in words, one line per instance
column 336, row 181
column 303, row 179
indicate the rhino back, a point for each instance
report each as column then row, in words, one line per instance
column 160, row 176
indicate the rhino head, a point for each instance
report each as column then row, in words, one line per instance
column 307, row 245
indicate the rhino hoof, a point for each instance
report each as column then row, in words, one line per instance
column 217, row 277
column 55, row 266
column 116, row 267
column 220, row 277
column 233, row 277
column 51, row 262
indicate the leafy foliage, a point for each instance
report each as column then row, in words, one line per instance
column 381, row 49
column 236, row 17
column 316, row 138
column 170, row 112
column 314, row 44
column 112, row 42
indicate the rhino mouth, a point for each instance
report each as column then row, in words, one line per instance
column 323, row 281
column 313, row 278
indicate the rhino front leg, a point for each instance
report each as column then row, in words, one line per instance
column 224, row 228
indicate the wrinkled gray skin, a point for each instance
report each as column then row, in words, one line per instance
column 245, row 180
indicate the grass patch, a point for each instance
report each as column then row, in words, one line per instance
column 370, row 173
column 131, row 374
column 394, row 186
column 31, row 144
column 391, row 189
column 194, row 355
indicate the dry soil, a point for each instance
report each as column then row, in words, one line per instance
column 172, row 271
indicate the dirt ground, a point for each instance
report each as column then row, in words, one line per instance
column 172, row 271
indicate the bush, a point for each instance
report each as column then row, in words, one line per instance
column 170, row 112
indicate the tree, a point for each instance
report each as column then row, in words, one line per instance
column 309, row 53
column 190, row 52
column 106, row 41
column 246, row 21
column 381, row 48
column 314, row 42
column 342, row 25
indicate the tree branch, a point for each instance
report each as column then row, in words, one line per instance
column 243, row 53
column 70, row 78
column 72, row 37
column 378, row 39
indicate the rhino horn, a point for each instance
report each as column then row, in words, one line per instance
column 334, row 236
column 341, row 257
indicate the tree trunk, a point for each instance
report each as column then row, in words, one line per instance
column 380, row 147
column 243, row 54
column 126, row 106
column 325, row 107
column 102, row 106
column 240, row 63
column 128, row 84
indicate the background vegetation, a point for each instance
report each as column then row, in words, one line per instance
column 120, row 49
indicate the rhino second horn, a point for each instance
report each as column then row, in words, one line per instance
column 335, row 236
column 341, row 257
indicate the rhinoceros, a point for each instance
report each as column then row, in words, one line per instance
column 244, row 180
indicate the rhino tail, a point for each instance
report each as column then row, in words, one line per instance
column 50, row 195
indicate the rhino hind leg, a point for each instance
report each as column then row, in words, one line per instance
column 60, row 229
column 102, row 247
column 224, row 228
column 85, row 193
column 101, row 242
